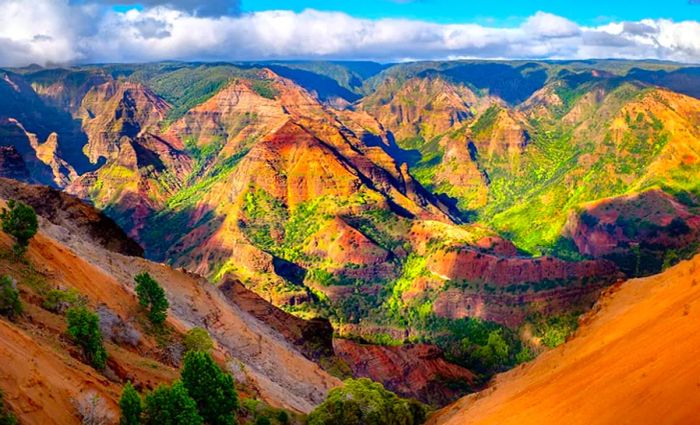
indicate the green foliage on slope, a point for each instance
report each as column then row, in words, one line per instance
column 363, row 402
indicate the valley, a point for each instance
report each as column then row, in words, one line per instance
column 428, row 225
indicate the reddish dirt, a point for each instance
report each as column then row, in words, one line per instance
column 417, row 371
column 634, row 360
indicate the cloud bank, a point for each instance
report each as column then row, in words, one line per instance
column 63, row 31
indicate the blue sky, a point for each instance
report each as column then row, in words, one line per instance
column 499, row 12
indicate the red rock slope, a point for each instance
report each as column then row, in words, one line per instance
column 634, row 361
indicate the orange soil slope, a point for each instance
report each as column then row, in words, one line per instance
column 634, row 361
column 39, row 371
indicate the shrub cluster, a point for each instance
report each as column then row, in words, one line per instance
column 204, row 394
column 363, row 402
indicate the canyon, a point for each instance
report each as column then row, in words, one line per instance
column 404, row 228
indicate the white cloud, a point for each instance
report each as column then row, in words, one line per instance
column 64, row 31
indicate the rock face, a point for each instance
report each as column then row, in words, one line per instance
column 639, row 232
column 116, row 110
column 421, row 106
column 12, row 165
column 313, row 337
column 48, row 140
column 616, row 368
column 72, row 214
column 415, row 371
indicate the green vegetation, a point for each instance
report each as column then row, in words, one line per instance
column 204, row 394
column 553, row 330
column 254, row 411
column 186, row 87
column 19, row 221
column 58, row 301
column 212, row 389
column 264, row 88
column 130, row 406
column 152, row 296
column 485, row 122
column 84, row 330
column 170, row 405
column 6, row 417
column 198, row 339
column 10, row 303
column 363, row 402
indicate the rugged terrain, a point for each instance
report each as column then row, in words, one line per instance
column 65, row 256
column 439, row 210
column 633, row 360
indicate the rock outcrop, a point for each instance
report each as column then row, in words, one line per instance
column 415, row 371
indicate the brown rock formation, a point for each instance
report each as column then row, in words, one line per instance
column 415, row 371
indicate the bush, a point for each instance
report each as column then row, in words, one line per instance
column 6, row 418
column 283, row 417
column 130, row 406
column 263, row 420
column 10, row 304
column 198, row 339
column 152, row 297
column 363, row 402
column 170, row 406
column 211, row 388
column 92, row 409
column 19, row 221
column 58, row 301
column 84, row 329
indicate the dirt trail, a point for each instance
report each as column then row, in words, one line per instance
column 634, row 361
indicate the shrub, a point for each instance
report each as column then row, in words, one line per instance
column 6, row 418
column 152, row 297
column 283, row 417
column 211, row 388
column 10, row 304
column 198, row 339
column 130, row 406
column 363, row 402
column 58, row 301
column 170, row 406
column 19, row 221
column 263, row 420
column 84, row 329
column 92, row 409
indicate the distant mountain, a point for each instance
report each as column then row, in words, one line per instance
column 453, row 203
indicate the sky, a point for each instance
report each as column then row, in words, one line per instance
column 98, row 31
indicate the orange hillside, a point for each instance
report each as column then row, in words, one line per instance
column 636, row 360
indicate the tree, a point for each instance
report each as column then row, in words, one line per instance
column 19, row 221
column 130, row 405
column 283, row 417
column 84, row 329
column 152, row 297
column 10, row 304
column 198, row 339
column 363, row 402
column 170, row 406
column 263, row 420
column 211, row 388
